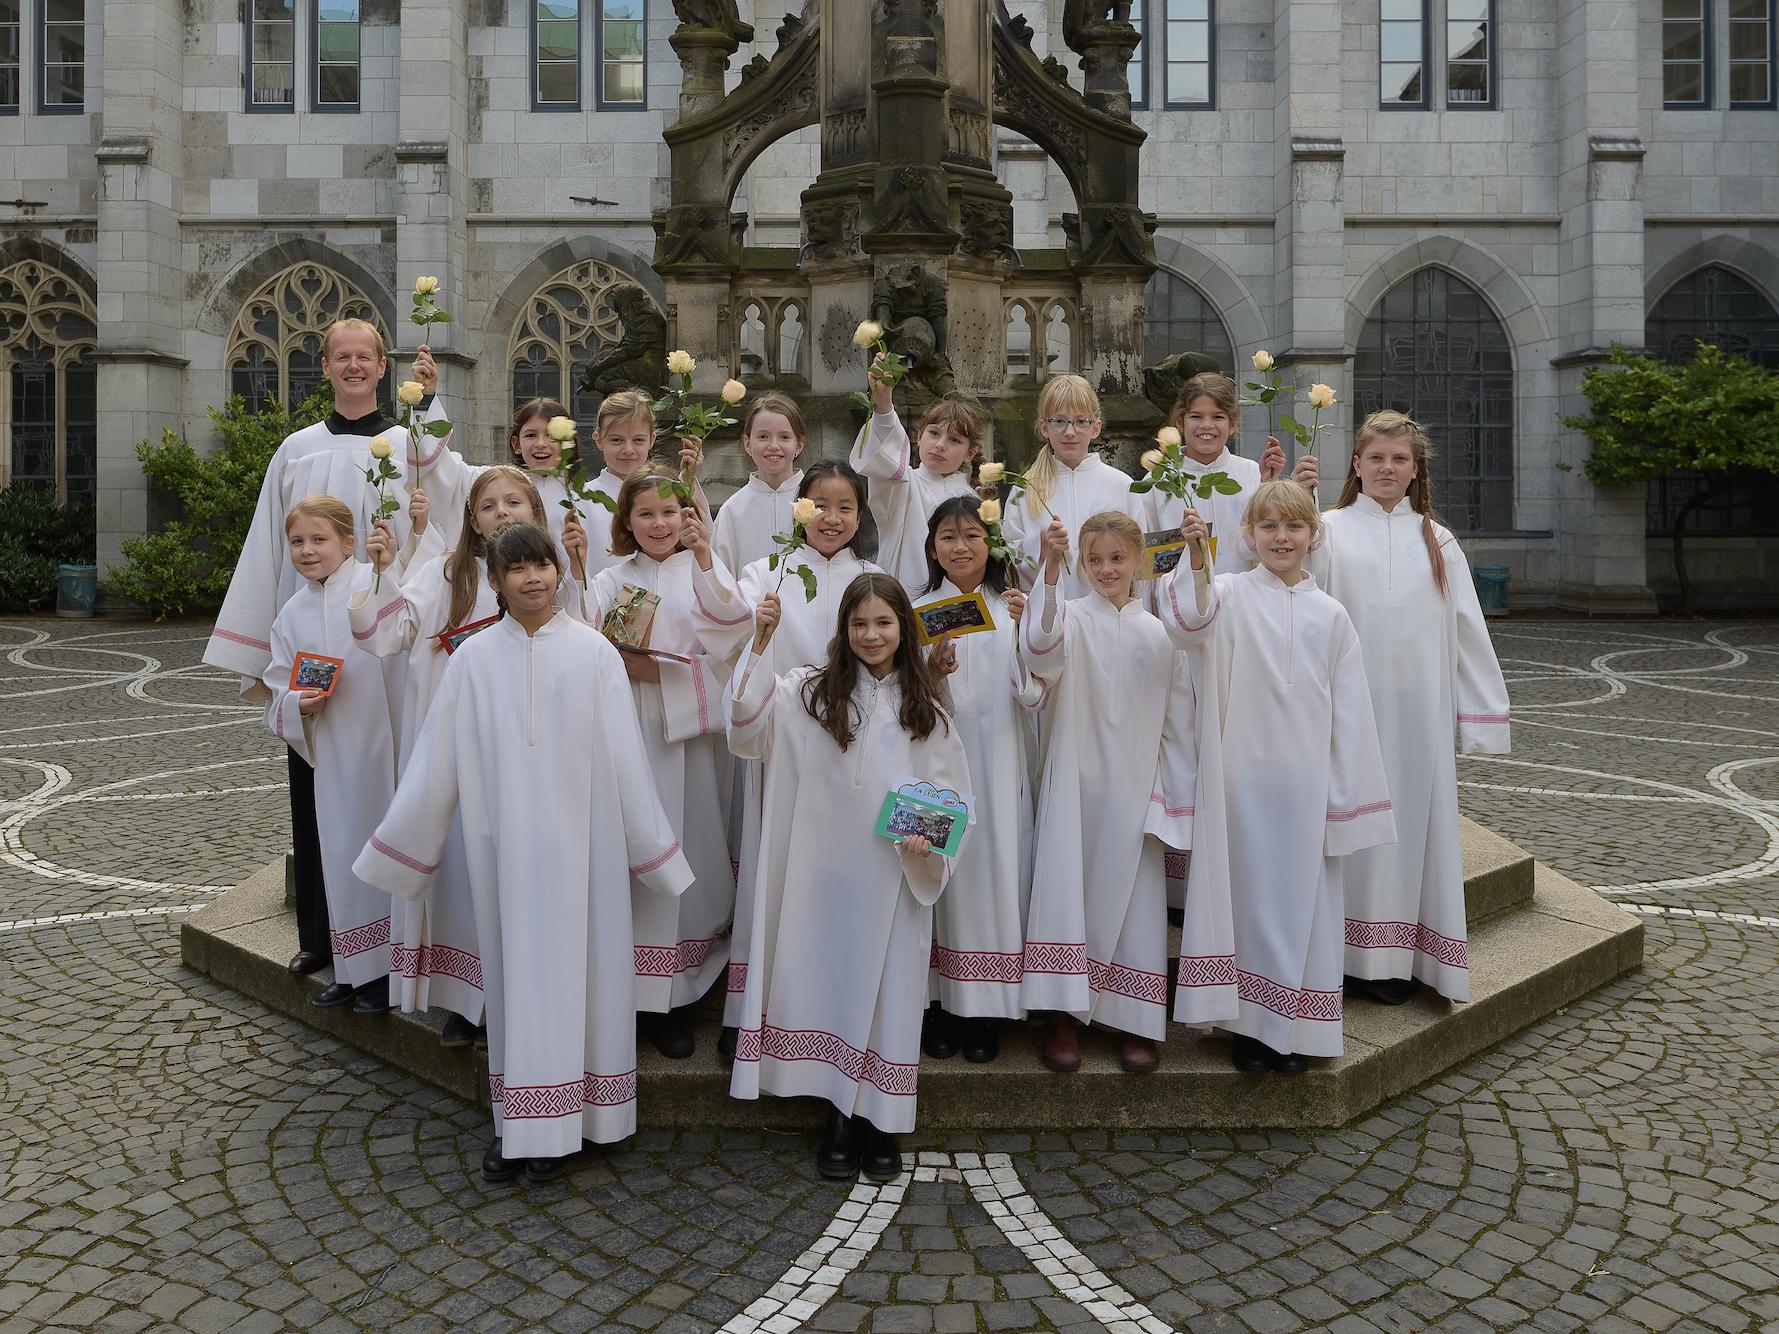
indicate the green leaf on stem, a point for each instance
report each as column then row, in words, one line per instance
column 807, row 575
column 438, row 430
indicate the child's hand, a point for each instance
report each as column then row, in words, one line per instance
column 1053, row 549
column 918, row 845
column 1015, row 601
column 1305, row 474
column 943, row 657
column 380, row 545
column 883, row 398
column 694, row 536
column 419, row 507
column 766, row 621
column 641, row 667
column 426, row 370
column 1198, row 535
column 310, row 703
column 574, row 539
column 691, row 454
column 1272, row 459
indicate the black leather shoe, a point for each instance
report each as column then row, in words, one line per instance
column 373, row 998
column 673, row 1035
column 540, row 1170
column 1250, row 1056
column 882, row 1159
column 1289, row 1062
column 726, row 1041
column 496, row 1168
column 338, row 994
column 980, row 1042
column 1391, row 990
column 459, row 1032
column 304, row 962
column 838, row 1154
column 938, row 1034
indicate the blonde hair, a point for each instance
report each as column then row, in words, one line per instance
column 1401, row 426
column 1118, row 526
column 1284, row 498
column 363, row 326
column 462, row 576
column 1060, row 394
column 624, row 541
column 1220, row 389
column 329, row 509
column 625, row 405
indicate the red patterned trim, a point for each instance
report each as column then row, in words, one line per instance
column 1173, row 864
column 1483, row 717
column 658, row 862
column 396, row 855
column 1290, row 1002
column 976, row 965
column 436, row 961
column 1050, row 956
column 711, row 616
column 382, row 613
column 1135, row 983
column 1341, row 817
column 1364, row 935
column 1207, row 970
column 278, row 719
column 703, row 702
column 754, row 716
column 737, row 976
column 360, row 938
column 1156, row 799
column 672, row 960
column 862, row 1066
column 547, row 1102
column 430, row 459
column 230, row 635
column 1179, row 616
column 1031, row 645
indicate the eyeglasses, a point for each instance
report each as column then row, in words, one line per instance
column 1064, row 423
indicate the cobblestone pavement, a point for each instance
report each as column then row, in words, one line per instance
column 175, row 1158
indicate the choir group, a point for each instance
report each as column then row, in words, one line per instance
column 559, row 765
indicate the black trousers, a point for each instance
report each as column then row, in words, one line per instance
column 313, row 931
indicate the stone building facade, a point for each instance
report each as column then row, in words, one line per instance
column 1451, row 205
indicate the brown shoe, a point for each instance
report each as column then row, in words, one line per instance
column 1139, row 1055
column 1059, row 1050
column 303, row 963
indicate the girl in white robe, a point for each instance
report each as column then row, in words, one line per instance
column 837, row 963
column 773, row 435
column 533, row 736
column 433, row 956
column 1069, row 481
column 979, row 925
column 1405, row 583
column 903, row 497
column 831, row 555
column 1117, row 784
column 344, row 734
column 663, row 548
column 1304, row 782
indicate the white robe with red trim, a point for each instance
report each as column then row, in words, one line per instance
column 534, row 738
column 682, row 944
column 902, row 497
column 1304, row 787
column 979, row 923
column 1223, row 513
column 749, row 519
column 843, row 920
column 1080, row 492
column 1433, row 673
column 351, row 746
column 1118, row 767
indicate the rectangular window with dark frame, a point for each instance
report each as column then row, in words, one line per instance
column 61, row 57
column 1190, row 63
column 556, row 52
column 1469, row 54
column 9, row 57
column 623, row 54
column 1752, row 54
column 1137, row 73
column 336, row 55
column 1402, row 54
column 1686, row 54
column 271, row 55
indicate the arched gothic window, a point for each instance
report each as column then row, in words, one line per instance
column 48, row 411
column 562, row 327
column 1713, row 305
column 274, row 349
column 1177, row 317
column 1433, row 348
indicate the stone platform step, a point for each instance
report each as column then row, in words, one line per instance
column 1538, row 941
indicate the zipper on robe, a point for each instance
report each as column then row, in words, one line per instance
column 1290, row 633
column 530, row 730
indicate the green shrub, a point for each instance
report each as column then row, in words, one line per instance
column 185, row 567
column 36, row 535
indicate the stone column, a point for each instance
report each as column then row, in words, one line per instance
column 1600, row 537
column 141, row 278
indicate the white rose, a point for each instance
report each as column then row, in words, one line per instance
column 868, row 332
column 1263, row 360
column 381, row 448
column 425, row 286
column 1150, row 459
column 990, row 474
column 1168, row 438
column 804, row 512
column 562, row 429
column 1321, row 396
column 990, row 511
column 733, row 392
column 680, row 362
column 410, row 393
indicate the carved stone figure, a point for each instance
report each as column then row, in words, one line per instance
column 714, row 15
column 640, row 355
column 911, row 305
column 1078, row 16
column 986, row 227
column 1162, row 381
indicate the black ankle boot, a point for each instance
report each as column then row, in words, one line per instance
column 726, row 1041
column 673, row 1035
column 980, row 1041
column 938, row 1034
column 838, row 1154
column 882, row 1158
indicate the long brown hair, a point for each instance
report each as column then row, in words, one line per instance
column 1400, row 426
column 828, row 694
column 461, row 572
column 963, row 416
column 624, row 541
column 525, row 412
